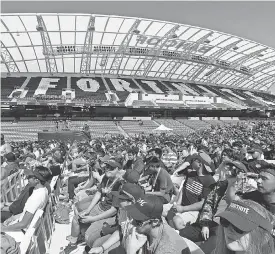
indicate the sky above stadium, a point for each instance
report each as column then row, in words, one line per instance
column 250, row 20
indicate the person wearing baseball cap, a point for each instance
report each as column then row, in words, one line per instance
column 265, row 193
column 146, row 218
column 246, row 228
column 37, row 200
column 127, row 195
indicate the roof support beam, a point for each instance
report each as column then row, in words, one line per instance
column 47, row 46
column 8, row 60
column 85, row 65
column 215, row 55
column 115, row 66
column 147, row 63
column 260, row 82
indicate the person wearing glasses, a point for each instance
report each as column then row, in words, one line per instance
column 161, row 238
column 245, row 227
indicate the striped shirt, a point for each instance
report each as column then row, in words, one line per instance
column 169, row 158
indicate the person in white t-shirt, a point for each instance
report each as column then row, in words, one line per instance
column 5, row 147
column 15, row 225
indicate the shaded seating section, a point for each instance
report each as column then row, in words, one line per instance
column 91, row 97
column 139, row 103
column 8, row 84
column 178, row 128
column 133, row 127
column 249, row 101
column 267, row 97
column 221, row 105
column 194, row 124
column 122, row 95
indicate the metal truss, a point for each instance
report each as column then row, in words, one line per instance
column 47, row 46
column 215, row 55
column 120, row 53
column 263, row 66
column 238, row 62
column 173, row 66
column 8, row 60
column 85, row 65
column 147, row 63
column 260, row 82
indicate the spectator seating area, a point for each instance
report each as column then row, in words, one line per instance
column 38, row 236
column 139, row 103
column 93, row 90
column 178, row 127
column 194, row 124
column 133, row 127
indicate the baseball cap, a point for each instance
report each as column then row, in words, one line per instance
column 129, row 191
column 244, row 217
column 35, row 173
column 113, row 163
column 206, row 161
column 145, row 208
column 131, row 176
column 255, row 148
column 10, row 157
column 238, row 165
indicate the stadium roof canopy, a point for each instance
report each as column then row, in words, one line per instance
column 127, row 46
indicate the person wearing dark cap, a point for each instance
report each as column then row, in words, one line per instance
column 10, row 167
column 256, row 163
column 37, row 200
column 245, row 227
column 127, row 195
column 146, row 219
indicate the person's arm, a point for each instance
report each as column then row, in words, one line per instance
column 193, row 207
column 25, row 222
column 182, row 167
column 104, row 215
column 95, row 200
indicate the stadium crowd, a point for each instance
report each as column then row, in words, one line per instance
column 211, row 192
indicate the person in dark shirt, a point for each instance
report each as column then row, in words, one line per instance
column 195, row 189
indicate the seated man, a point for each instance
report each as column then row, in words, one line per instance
column 112, row 236
column 195, row 189
column 134, row 161
column 161, row 183
column 99, row 207
column 37, row 200
column 146, row 214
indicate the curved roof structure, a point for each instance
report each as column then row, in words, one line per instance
column 127, row 46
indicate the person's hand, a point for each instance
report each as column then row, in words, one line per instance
column 205, row 233
column 96, row 250
column 134, row 242
column 175, row 174
column 86, row 219
column 179, row 208
column 83, row 213
column 96, row 175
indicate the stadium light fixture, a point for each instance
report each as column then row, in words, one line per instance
column 91, row 28
column 235, row 48
column 136, row 31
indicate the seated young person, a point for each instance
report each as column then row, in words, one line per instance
column 112, row 237
column 37, row 200
column 100, row 207
column 161, row 183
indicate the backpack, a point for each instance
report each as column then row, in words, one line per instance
column 9, row 245
column 62, row 214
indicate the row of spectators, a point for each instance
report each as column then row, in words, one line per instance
column 158, row 193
